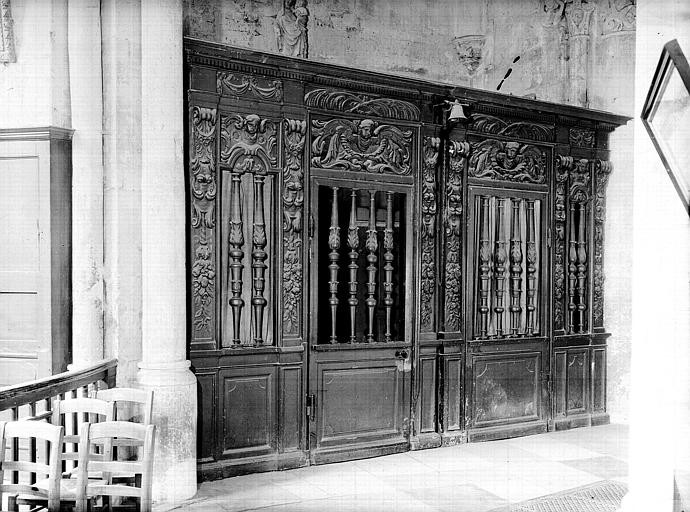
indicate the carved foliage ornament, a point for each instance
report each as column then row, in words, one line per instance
column 247, row 85
column 507, row 161
column 602, row 173
column 618, row 16
column 7, row 53
column 429, row 209
column 581, row 137
column 457, row 162
column 493, row 125
column 248, row 143
column 563, row 165
column 293, row 203
column 362, row 145
column 203, row 188
column 366, row 104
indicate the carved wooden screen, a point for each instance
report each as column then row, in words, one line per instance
column 365, row 250
column 508, row 266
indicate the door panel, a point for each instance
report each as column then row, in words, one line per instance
column 359, row 383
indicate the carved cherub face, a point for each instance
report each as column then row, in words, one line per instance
column 512, row 149
column 366, row 129
column 252, row 123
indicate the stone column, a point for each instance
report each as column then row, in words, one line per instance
column 578, row 17
column 164, row 367
column 87, row 181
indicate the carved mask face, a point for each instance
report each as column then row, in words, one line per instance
column 252, row 123
column 512, row 150
column 365, row 129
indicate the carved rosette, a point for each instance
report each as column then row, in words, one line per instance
column 203, row 220
column 366, row 104
column 563, row 165
column 239, row 84
column 429, row 210
column 361, row 145
column 602, row 173
column 293, row 204
column 581, row 137
column 507, row 161
column 484, row 123
column 457, row 162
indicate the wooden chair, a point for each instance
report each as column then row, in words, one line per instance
column 105, row 433
column 129, row 397
column 48, row 496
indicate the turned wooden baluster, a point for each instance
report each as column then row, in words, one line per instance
column 259, row 258
column 388, row 267
column 572, row 272
column 353, row 243
column 515, row 269
column 333, row 256
column 500, row 257
column 236, row 241
column 531, row 266
column 371, row 245
column 484, row 265
column 582, row 266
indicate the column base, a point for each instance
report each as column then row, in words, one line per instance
column 174, row 414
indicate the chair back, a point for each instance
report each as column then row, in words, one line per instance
column 94, row 434
column 31, row 430
column 82, row 410
column 140, row 398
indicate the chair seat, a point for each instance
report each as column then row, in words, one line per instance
column 68, row 489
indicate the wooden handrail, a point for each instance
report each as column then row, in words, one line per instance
column 36, row 390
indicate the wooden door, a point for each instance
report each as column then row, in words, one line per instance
column 360, row 321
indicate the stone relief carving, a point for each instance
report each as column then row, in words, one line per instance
column 248, row 143
column 618, row 16
column 469, row 50
column 293, row 203
column 7, row 53
column 485, row 123
column 457, row 162
column 602, row 172
column 364, row 145
column 429, row 209
column 507, row 161
column 366, row 104
column 581, row 137
column 247, row 85
column 291, row 28
column 204, row 190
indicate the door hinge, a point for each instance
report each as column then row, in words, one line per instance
column 311, row 406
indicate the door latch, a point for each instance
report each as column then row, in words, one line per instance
column 311, row 406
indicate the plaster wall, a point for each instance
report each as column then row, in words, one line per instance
column 423, row 39
column 34, row 91
column 661, row 295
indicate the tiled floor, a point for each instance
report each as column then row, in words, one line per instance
column 477, row 477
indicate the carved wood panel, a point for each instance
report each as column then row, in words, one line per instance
column 508, row 161
column 204, row 189
column 602, row 172
column 452, row 224
column 429, row 238
column 366, row 104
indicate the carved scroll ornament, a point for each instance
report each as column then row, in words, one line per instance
column 203, row 190
column 507, row 161
column 362, row 145
column 293, row 204
column 602, row 173
column 240, row 84
column 367, row 104
column 453, row 223
column 248, row 143
column 428, row 232
column 484, row 123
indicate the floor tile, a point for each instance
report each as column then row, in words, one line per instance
column 604, row 467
